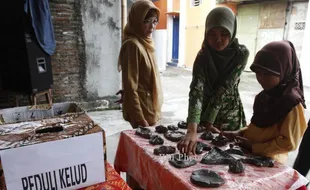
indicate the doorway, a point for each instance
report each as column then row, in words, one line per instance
column 175, row 40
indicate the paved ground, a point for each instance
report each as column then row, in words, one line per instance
column 175, row 83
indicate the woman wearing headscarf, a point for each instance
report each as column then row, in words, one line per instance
column 214, row 99
column 278, row 122
column 142, row 95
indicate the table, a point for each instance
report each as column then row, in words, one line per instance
column 114, row 181
column 135, row 156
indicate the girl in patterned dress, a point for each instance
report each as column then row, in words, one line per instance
column 214, row 99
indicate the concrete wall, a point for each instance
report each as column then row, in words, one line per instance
column 305, row 55
column 298, row 13
column 101, row 26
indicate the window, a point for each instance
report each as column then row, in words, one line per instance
column 300, row 25
column 196, row 3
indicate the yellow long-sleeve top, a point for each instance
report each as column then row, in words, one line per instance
column 277, row 140
column 141, row 83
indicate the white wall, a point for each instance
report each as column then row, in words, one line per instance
column 160, row 40
column 305, row 53
column 182, row 32
column 101, row 25
column 169, row 30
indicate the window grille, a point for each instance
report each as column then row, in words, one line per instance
column 196, row 3
column 300, row 25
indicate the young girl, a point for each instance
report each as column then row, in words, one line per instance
column 142, row 94
column 214, row 100
column 278, row 121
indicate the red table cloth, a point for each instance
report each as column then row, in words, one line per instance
column 135, row 156
column 114, row 181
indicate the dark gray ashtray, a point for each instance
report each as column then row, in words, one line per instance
column 206, row 178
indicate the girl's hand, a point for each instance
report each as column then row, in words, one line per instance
column 210, row 127
column 231, row 135
column 245, row 143
column 188, row 143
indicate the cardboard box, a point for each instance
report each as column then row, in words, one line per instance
column 38, row 112
column 24, row 126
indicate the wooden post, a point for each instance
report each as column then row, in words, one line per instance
column 123, row 16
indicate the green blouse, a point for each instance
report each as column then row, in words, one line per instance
column 224, row 107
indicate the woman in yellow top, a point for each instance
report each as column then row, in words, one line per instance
column 142, row 98
column 278, row 121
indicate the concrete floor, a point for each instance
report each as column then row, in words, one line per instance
column 175, row 82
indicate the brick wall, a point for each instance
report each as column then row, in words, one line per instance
column 69, row 60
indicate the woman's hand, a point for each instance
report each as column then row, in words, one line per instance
column 210, row 127
column 231, row 135
column 245, row 143
column 188, row 143
column 144, row 123
column 120, row 101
